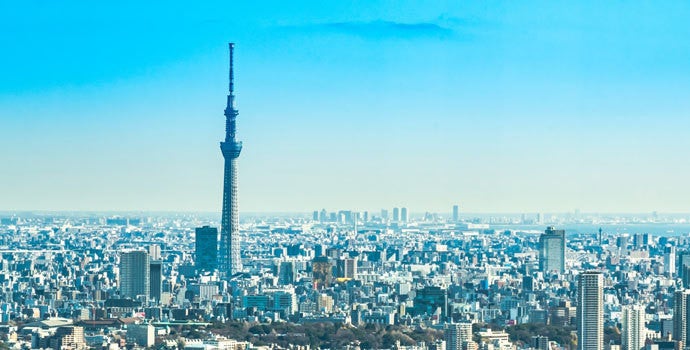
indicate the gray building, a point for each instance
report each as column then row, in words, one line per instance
column 680, row 315
column 134, row 274
column 155, row 279
column 206, row 248
column 141, row 334
column 590, row 311
column 552, row 250
column 634, row 333
column 456, row 334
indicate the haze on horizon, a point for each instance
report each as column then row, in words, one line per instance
column 538, row 106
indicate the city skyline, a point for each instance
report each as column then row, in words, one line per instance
column 348, row 106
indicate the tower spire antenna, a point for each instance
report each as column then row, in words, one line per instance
column 232, row 74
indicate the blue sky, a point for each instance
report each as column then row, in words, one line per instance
column 499, row 106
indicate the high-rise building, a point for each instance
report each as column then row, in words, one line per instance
column 384, row 214
column 287, row 273
column 229, row 258
column 156, row 279
column 634, row 332
column 155, row 252
column 346, row 268
column 590, row 311
column 134, row 274
column 396, row 214
column 456, row 334
column 322, row 272
column 403, row 215
column 456, row 213
column 552, row 250
column 601, row 236
column 206, row 248
column 683, row 267
column 669, row 260
column 680, row 315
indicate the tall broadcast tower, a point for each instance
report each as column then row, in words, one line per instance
column 230, row 261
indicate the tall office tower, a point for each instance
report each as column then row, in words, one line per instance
column 590, row 311
column 669, row 260
column 638, row 240
column 403, row 215
column 648, row 239
column 384, row 214
column 456, row 213
column 552, row 250
column 206, row 248
column 346, row 268
column 287, row 273
column 155, row 252
column 634, row 332
column 683, row 266
column 457, row 334
column 315, row 215
column 622, row 242
column 156, row 279
column 229, row 259
column 680, row 315
column 134, row 274
column 396, row 214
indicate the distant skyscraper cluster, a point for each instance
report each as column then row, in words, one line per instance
column 400, row 215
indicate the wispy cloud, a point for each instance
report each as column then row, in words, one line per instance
column 382, row 29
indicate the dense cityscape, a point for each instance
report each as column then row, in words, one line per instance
column 388, row 279
column 399, row 278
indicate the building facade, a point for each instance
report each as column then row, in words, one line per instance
column 552, row 251
column 134, row 274
column 590, row 311
column 206, row 248
column 633, row 334
column 680, row 316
